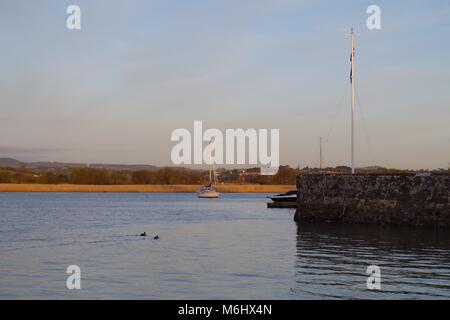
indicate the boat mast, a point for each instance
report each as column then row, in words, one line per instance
column 352, row 78
column 210, row 173
column 210, row 168
column 214, row 175
column 320, row 161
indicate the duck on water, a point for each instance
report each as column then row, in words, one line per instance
column 144, row 234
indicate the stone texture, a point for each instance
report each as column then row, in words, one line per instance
column 374, row 199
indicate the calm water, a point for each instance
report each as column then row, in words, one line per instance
column 232, row 248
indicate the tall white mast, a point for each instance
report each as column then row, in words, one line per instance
column 352, row 78
column 320, row 161
column 211, row 167
column 214, row 175
column 210, row 175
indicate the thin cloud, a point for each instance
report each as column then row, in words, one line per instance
column 28, row 150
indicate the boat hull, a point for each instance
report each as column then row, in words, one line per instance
column 290, row 196
column 283, row 199
column 209, row 194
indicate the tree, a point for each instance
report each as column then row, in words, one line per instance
column 117, row 177
column 89, row 176
column 51, row 177
column 5, row 176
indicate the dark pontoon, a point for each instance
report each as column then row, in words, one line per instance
column 290, row 196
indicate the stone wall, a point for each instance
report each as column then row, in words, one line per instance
column 408, row 200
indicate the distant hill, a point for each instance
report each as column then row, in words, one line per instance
column 10, row 163
column 13, row 163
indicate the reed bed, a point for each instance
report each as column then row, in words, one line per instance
column 225, row 188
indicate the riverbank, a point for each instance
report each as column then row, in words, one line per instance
column 225, row 188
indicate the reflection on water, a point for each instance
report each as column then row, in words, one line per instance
column 231, row 248
column 332, row 261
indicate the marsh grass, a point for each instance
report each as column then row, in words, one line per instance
column 225, row 188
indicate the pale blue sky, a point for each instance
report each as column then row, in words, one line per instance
column 114, row 91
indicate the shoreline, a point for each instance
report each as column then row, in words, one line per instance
column 224, row 188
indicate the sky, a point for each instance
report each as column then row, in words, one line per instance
column 114, row 91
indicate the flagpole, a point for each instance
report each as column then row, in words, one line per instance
column 353, row 99
column 320, row 161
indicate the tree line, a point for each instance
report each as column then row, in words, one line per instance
column 167, row 176
column 164, row 176
column 98, row 176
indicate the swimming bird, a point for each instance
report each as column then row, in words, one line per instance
column 143, row 234
column 156, row 237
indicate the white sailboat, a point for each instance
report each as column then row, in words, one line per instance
column 209, row 190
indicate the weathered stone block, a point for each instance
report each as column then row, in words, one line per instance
column 375, row 199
